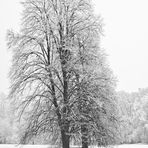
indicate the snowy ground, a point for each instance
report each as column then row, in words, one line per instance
column 47, row 146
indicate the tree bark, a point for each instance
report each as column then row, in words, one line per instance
column 84, row 137
column 65, row 139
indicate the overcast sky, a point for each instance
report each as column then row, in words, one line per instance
column 125, row 41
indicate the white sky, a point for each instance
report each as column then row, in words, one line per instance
column 125, row 41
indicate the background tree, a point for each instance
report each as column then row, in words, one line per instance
column 53, row 72
column 6, row 118
column 133, row 116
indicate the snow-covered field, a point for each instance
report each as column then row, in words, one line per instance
column 47, row 146
column 132, row 146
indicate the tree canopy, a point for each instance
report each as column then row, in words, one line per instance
column 61, row 83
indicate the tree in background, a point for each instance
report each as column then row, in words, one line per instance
column 6, row 120
column 59, row 78
column 133, row 116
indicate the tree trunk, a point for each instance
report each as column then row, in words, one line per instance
column 65, row 139
column 84, row 137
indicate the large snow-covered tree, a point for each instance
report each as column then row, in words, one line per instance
column 59, row 77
